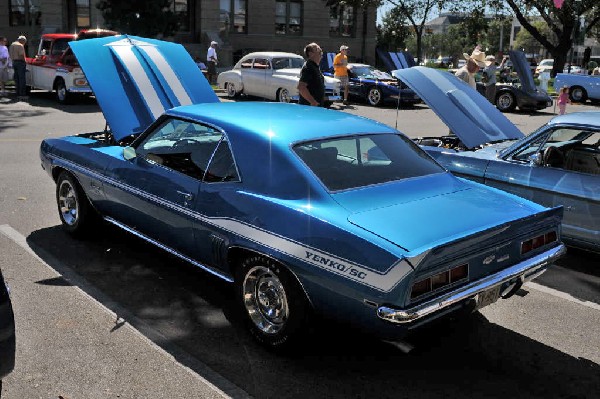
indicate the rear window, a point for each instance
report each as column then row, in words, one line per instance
column 359, row 161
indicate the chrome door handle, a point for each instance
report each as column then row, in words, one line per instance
column 186, row 196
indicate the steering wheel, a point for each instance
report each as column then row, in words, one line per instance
column 554, row 157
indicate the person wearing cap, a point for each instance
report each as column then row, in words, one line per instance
column 311, row 86
column 17, row 55
column 211, row 60
column 489, row 76
column 475, row 61
column 340, row 68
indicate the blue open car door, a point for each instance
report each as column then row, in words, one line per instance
column 466, row 112
column 135, row 80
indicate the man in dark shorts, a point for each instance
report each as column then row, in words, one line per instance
column 312, row 82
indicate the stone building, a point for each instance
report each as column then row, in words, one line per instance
column 240, row 26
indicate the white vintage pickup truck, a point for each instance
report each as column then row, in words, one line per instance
column 55, row 68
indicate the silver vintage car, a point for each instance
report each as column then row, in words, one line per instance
column 271, row 75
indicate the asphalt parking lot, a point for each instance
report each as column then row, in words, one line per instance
column 114, row 317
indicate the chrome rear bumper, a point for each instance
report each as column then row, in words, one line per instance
column 519, row 273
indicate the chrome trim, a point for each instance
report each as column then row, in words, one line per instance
column 169, row 250
column 80, row 89
column 524, row 271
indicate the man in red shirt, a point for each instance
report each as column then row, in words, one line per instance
column 340, row 67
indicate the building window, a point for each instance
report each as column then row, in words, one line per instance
column 342, row 21
column 288, row 17
column 181, row 10
column 233, row 16
column 83, row 14
column 20, row 15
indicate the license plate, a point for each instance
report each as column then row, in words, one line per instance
column 488, row 297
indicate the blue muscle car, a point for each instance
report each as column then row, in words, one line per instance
column 376, row 87
column 581, row 87
column 304, row 209
column 559, row 164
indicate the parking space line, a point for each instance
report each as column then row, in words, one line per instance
column 219, row 384
column 562, row 295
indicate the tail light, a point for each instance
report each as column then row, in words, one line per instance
column 439, row 280
column 538, row 241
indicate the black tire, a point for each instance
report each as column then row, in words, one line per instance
column 375, row 96
column 62, row 94
column 506, row 102
column 74, row 209
column 275, row 308
column 577, row 94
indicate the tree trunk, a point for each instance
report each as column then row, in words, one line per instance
column 419, row 37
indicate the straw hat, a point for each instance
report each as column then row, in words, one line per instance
column 489, row 60
column 477, row 56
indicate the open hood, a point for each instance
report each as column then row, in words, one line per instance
column 136, row 80
column 466, row 112
column 522, row 68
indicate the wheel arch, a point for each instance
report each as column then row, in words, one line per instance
column 236, row 254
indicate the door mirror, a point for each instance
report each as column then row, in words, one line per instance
column 129, row 153
column 535, row 159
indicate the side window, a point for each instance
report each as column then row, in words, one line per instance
column 45, row 47
column 533, row 147
column 246, row 64
column 261, row 63
column 222, row 166
column 184, row 146
column 59, row 46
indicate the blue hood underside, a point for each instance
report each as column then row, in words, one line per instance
column 136, row 80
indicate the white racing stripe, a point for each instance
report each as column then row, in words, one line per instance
column 165, row 69
column 140, row 77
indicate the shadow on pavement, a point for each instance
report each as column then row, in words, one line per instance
column 191, row 314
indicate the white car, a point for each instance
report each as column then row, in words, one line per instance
column 545, row 66
column 271, row 75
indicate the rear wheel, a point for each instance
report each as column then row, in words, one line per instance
column 275, row 307
column 506, row 102
column 283, row 96
column 577, row 94
column 75, row 211
column 62, row 94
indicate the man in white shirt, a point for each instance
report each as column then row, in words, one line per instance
column 211, row 60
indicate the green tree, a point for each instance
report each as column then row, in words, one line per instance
column 393, row 31
column 148, row 18
column 562, row 22
column 524, row 40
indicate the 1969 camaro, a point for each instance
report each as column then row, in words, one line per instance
column 559, row 164
column 304, row 209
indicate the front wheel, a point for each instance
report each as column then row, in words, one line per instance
column 374, row 97
column 577, row 94
column 275, row 306
column 62, row 94
column 231, row 90
column 506, row 102
column 75, row 211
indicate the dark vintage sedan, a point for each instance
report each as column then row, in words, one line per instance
column 559, row 164
column 7, row 332
column 369, row 84
column 305, row 210
column 521, row 93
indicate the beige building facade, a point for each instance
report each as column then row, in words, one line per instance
column 239, row 26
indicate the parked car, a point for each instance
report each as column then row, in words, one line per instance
column 559, row 164
column 522, row 93
column 581, row 87
column 7, row 332
column 545, row 65
column 306, row 210
column 271, row 75
column 54, row 68
column 376, row 87
column 575, row 70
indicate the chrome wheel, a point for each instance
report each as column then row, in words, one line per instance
column 68, row 203
column 231, row 92
column 374, row 96
column 283, row 96
column 577, row 94
column 62, row 94
column 505, row 102
column 265, row 300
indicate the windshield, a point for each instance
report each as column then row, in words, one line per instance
column 359, row 161
column 288, row 62
column 368, row 72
